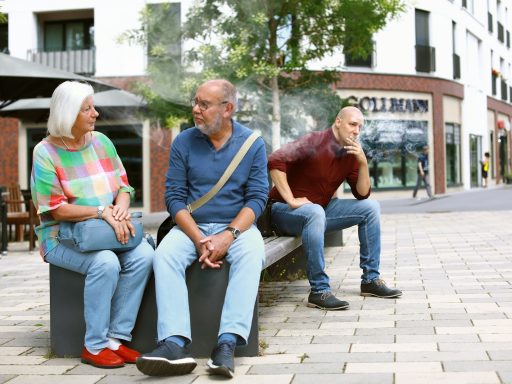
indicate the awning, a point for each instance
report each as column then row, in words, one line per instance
column 22, row 79
column 114, row 103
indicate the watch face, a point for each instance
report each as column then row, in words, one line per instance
column 100, row 210
column 235, row 232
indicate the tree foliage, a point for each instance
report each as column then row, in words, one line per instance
column 3, row 16
column 267, row 48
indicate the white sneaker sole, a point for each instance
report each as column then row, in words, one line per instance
column 159, row 366
column 218, row 370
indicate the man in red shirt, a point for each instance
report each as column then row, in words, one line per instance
column 306, row 174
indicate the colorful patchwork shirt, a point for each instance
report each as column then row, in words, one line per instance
column 90, row 176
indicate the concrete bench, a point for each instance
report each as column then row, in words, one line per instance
column 67, row 325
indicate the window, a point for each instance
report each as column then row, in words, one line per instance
column 455, row 57
column 68, row 35
column 164, row 24
column 422, row 28
column 453, row 151
column 355, row 60
column 358, row 45
column 425, row 54
column 392, row 148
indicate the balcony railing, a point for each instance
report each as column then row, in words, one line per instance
column 425, row 58
column 82, row 61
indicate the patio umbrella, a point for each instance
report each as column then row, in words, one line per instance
column 113, row 103
column 22, row 79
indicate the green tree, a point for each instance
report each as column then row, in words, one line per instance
column 164, row 93
column 266, row 48
column 3, row 16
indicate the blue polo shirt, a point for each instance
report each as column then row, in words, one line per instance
column 195, row 166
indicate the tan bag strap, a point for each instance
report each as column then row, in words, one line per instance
column 226, row 175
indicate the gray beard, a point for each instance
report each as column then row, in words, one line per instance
column 210, row 129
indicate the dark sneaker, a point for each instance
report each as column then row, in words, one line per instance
column 378, row 288
column 168, row 359
column 222, row 361
column 326, row 300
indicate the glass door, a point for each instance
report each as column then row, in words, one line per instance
column 475, row 154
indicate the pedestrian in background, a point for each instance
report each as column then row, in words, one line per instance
column 423, row 170
column 485, row 170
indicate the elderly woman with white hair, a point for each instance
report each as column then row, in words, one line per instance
column 77, row 175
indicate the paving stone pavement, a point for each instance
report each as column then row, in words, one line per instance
column 452, row 325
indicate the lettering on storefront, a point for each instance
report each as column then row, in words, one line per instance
column 389, row 104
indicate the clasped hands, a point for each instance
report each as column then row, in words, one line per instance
column 212, row 249
column 120, row 220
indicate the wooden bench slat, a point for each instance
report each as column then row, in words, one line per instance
column 279, row 247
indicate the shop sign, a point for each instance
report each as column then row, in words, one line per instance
column 388, row 104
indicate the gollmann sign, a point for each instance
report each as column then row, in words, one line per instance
column 388, row 104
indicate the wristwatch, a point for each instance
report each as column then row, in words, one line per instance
column 99, row 212
column 234, row 231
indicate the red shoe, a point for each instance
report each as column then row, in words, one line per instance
column 127, row 354
column 105, row 359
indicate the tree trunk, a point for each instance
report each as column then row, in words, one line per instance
column 276, row 115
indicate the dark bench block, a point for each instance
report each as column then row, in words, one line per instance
column 206, row 289
column 333, row 239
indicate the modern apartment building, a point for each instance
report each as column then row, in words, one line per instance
column 440, row 75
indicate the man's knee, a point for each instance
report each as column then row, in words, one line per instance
column 372, row 207
column 315, row 215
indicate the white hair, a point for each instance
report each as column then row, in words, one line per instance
column 65, row 105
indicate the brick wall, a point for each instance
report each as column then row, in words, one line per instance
column 9, row 151
column 159, row 161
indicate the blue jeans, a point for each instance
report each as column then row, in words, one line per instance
column 176, row 252
column 114, row 285
column 312, row 221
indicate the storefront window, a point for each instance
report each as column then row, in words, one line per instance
column 392, row 148
column 128, row 143
column 453, row 151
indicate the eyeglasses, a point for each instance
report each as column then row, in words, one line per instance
column 204, row 105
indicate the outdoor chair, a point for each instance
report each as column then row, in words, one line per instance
column 21, row 213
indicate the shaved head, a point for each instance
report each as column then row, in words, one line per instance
column 347, row 111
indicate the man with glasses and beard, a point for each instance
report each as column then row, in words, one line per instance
column 306, row 174
column 222, row 229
